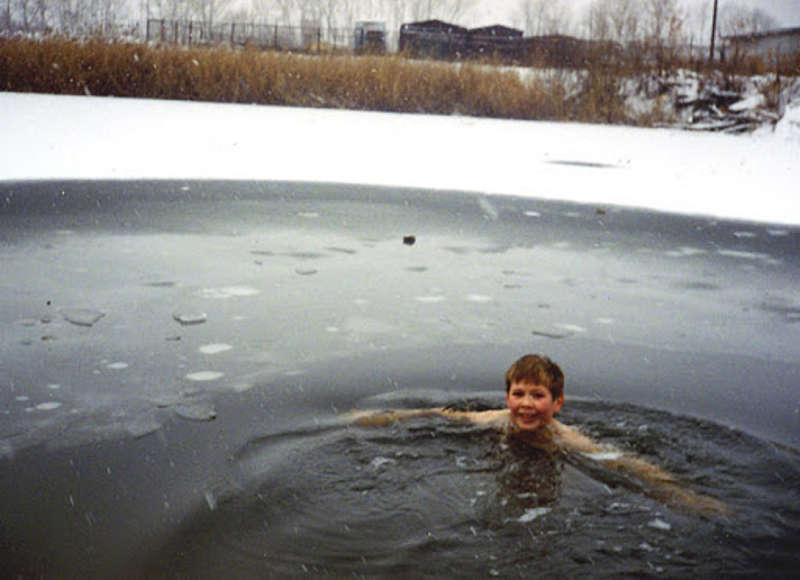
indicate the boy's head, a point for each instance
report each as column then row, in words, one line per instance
column 537, row 370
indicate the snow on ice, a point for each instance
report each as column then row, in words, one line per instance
column 752, row 177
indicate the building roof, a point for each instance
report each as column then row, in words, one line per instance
column 435, row 26
column 496, row 30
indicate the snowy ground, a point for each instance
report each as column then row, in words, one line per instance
column 751, row 177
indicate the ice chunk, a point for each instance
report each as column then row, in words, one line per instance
column 201, row 376
column 82, row 316
column 570, row 327
column 659, row 524
column 603, row 455
column 214, row 348
column 533, row 513
column 228, row 292
column 379, row 462
column 188, row 318
column 482, row 298
column 117, row 366
column 142, row 426
column 48, row 406
column 488, row 208
column 196, row 411
column 430, row 299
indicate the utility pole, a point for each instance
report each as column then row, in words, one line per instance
column 713, row 32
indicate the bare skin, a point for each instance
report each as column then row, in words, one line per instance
column 529, row 414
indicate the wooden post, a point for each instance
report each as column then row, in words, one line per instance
column 713, row 32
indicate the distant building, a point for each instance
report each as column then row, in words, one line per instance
column 369, row 36
column 433, row 38
column 770, row 44
column 495, row 41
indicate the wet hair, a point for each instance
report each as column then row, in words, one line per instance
column 538, row 370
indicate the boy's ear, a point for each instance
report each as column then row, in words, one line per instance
column 558, row 403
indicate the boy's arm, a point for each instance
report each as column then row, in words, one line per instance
column 661, row 484
column 371, row 418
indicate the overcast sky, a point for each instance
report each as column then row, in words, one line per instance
column 786, row 12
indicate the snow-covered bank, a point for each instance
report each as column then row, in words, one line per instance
column 751, row 177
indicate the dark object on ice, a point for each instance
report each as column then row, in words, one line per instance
column 409, row 240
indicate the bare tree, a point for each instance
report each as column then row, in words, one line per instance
column 736, row 18
column 543, row 16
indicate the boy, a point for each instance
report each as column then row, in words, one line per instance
column 534, row 394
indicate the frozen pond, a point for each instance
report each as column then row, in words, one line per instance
column 175, row 352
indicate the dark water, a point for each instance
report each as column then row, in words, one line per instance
column 175, row 358
column 431, row 499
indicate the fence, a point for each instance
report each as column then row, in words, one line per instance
column 315, row 39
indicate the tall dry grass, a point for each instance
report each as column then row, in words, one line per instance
column 375, row 83
column 378, row 83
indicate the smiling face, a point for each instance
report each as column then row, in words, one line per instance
column 531, row 406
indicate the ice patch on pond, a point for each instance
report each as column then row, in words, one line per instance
column 430, row 299
column 48, row 406
column 686, row 252
column 201, row 376
column 379, row 462
column 603, row 455
column 481, row 298
column 659, row 524
column 604, row 320
column 533, row 514
column 570, row 327
column 228, row 292
column 53, row 387
column 142, row 426
column 82, row 316
column 189, row 318
column 533, row 214
column 488, row 209
column 195, row 411
column 741, row 255
column 214, row 348
column 22, row 398
column 117, row 366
